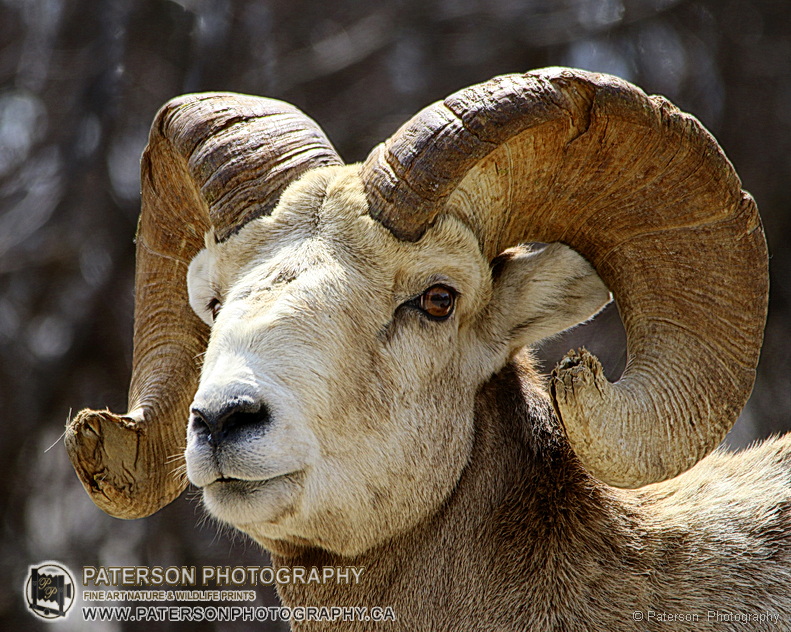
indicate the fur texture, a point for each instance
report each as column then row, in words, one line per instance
column 529, row 541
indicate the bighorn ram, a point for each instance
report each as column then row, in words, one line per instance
column 364, row 398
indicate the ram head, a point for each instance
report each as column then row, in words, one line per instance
column 347, row 315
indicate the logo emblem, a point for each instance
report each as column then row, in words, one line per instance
column 49, row 590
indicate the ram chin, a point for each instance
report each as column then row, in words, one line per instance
column 243, row 502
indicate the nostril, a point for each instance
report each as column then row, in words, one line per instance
column 198, row 421
column 239, row 419
column 202, row 423
column 215, row 424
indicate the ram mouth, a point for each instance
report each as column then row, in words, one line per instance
column 246, row 484
column 236, row 486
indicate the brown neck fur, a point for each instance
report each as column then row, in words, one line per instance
column 528, row 540
column 536, row 501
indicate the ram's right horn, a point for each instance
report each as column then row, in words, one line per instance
column 648, row 197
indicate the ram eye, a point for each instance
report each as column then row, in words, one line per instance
column 213, row 307
column 438, row 301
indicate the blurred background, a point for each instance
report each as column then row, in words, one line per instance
column 80, row 81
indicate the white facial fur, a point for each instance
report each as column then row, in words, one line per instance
column 369, row 402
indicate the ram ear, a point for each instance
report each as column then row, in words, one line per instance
column 202, row 285
column 540, row 292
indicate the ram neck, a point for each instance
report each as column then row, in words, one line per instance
column 522, row 499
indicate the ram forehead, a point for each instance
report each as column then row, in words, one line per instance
column 321, row 237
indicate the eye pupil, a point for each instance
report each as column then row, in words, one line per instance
column 438, row 301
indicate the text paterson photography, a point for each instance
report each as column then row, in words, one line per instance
column 710, row 616
column 217, row 576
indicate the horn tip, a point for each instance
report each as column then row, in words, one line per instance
column 106, row 452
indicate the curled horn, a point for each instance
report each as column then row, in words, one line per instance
column 641, row 190
column 213, row 161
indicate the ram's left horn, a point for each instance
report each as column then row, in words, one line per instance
column 212, row 161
